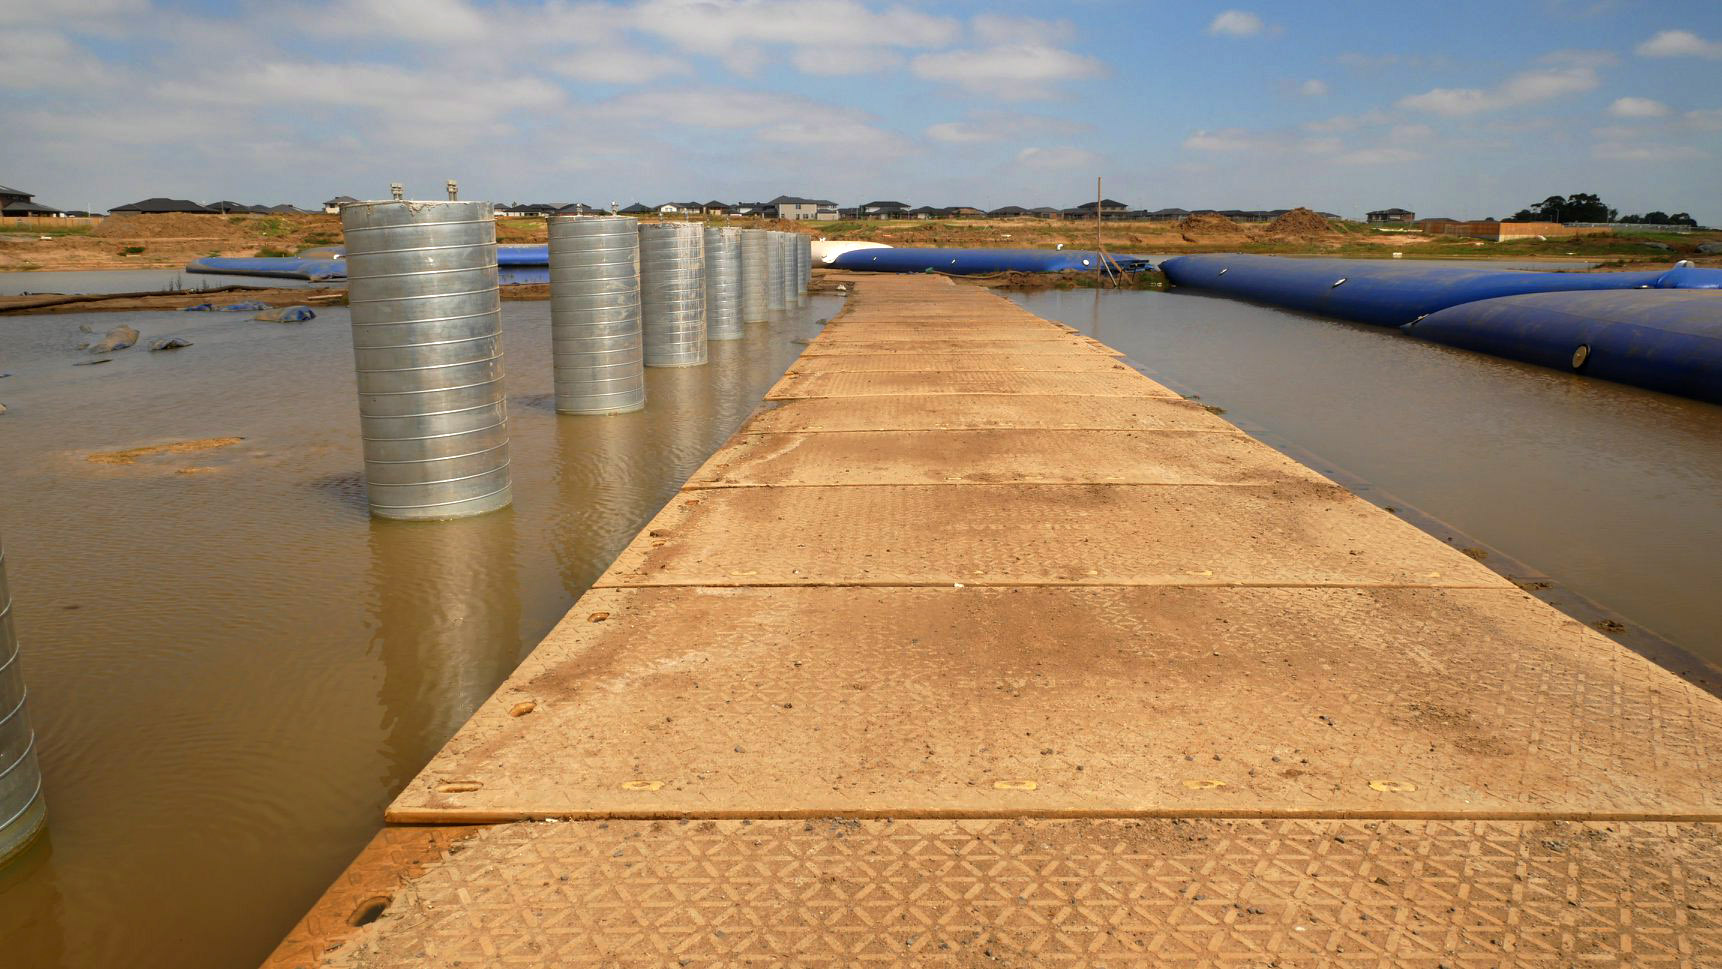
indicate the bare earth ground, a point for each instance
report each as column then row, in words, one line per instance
column 170, row 241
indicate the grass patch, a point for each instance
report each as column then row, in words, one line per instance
column 269, row 252
column 272, row 226
column 319, row 239
column 39, row 230
column 131, row 250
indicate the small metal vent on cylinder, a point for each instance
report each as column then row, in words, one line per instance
column 23, row 812
column 427, row 347
column 723, row 284
column 672, row 294
column 597, row 349
column 755, row 275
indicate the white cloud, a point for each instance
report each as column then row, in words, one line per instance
column 1235, row 23
column 1377, row 156
column 1313, row 88
column 1018, row 72
column 717, row 108
column 1524, row 88
column 1061, row 157
column 1637, row 108
column 1226, row 139
column 1704, row 119
column 429, row 21
column 1679, row 43
column 17, row 13
column 838, row 61
column 997, row 29
column 1349, row 122
column 1410, row 134
column 1000, row 126
column 44, row 59
column 1633, row 151
column 716, row 26
column 617, row 65
column 1580, row 58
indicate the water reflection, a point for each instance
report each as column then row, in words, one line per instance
column 444, row 604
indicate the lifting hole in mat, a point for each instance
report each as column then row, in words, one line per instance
column 369, row 910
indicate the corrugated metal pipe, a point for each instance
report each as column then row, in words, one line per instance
column 427, row 345
column 755, row 275
column 673, row 294
column 23, row 812
column 804, row 260
column 597, row 351
column 774, row 270
column 786, row 279
column 723, row 284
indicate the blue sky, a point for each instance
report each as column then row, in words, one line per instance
column 1455, row 108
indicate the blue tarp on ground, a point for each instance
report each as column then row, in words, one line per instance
column 249, row 306
column 975, row 262
column 1388, row 293
column 1663, row 339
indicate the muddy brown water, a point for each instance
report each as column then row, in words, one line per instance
column 1608, row 494
column 232, row 668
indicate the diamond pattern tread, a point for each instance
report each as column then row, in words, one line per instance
column 967, row 412
column 951, row 363
column 1199, row 894
column 828, row 346
column 997, row 457
column 1068, row 702
column 1106, row 383
column 363, row 890
column 984, row 534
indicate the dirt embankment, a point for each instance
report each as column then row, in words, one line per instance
column 1301, row 224
column 165, row 241
column 1206, row 228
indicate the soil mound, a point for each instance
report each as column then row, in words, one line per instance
column 1299, row 223
column 166, row 225
column 1209, row 227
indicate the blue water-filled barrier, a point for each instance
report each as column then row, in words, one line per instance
column 1393, row 294
column 529, row 264
column 1661, row 339
column 278, row 267
column 977, row 262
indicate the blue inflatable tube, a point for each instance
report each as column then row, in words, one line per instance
column 1392, row 294
column 975, row 262
column 1665, row 339
column 286, row 267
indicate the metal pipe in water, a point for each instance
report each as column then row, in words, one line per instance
column 427, row 348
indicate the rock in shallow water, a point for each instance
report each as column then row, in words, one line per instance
column 169, row 343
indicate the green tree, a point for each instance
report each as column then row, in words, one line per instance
column 1582, row 207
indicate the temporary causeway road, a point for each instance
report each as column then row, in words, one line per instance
column 977, row 647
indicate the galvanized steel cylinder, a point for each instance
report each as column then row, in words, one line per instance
column 804, row 263
column 774, row 297
column 23, row 812
column 755, row 275
column 596, row 346
column 723, row 284
column 427, row 344
column 673, row 294
column 786, row 282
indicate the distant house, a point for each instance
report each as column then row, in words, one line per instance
column 1435, row 226
column 636, row 209
column 1044, row 212
column 16, row 204
column 1398, row 216
column 926, row 212
column 804, row 210
column 158, row 205
column 1109, row 209
column 1166, row 215
column 333, row 206
column 963, row 212
column 285, row 209
column 852, row 213
column 228, row 208
column 714, row 207
column 576, row 208
column 1008, row 212
column 679, row 208
column 884, row 210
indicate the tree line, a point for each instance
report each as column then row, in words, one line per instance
column 1589, row 208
